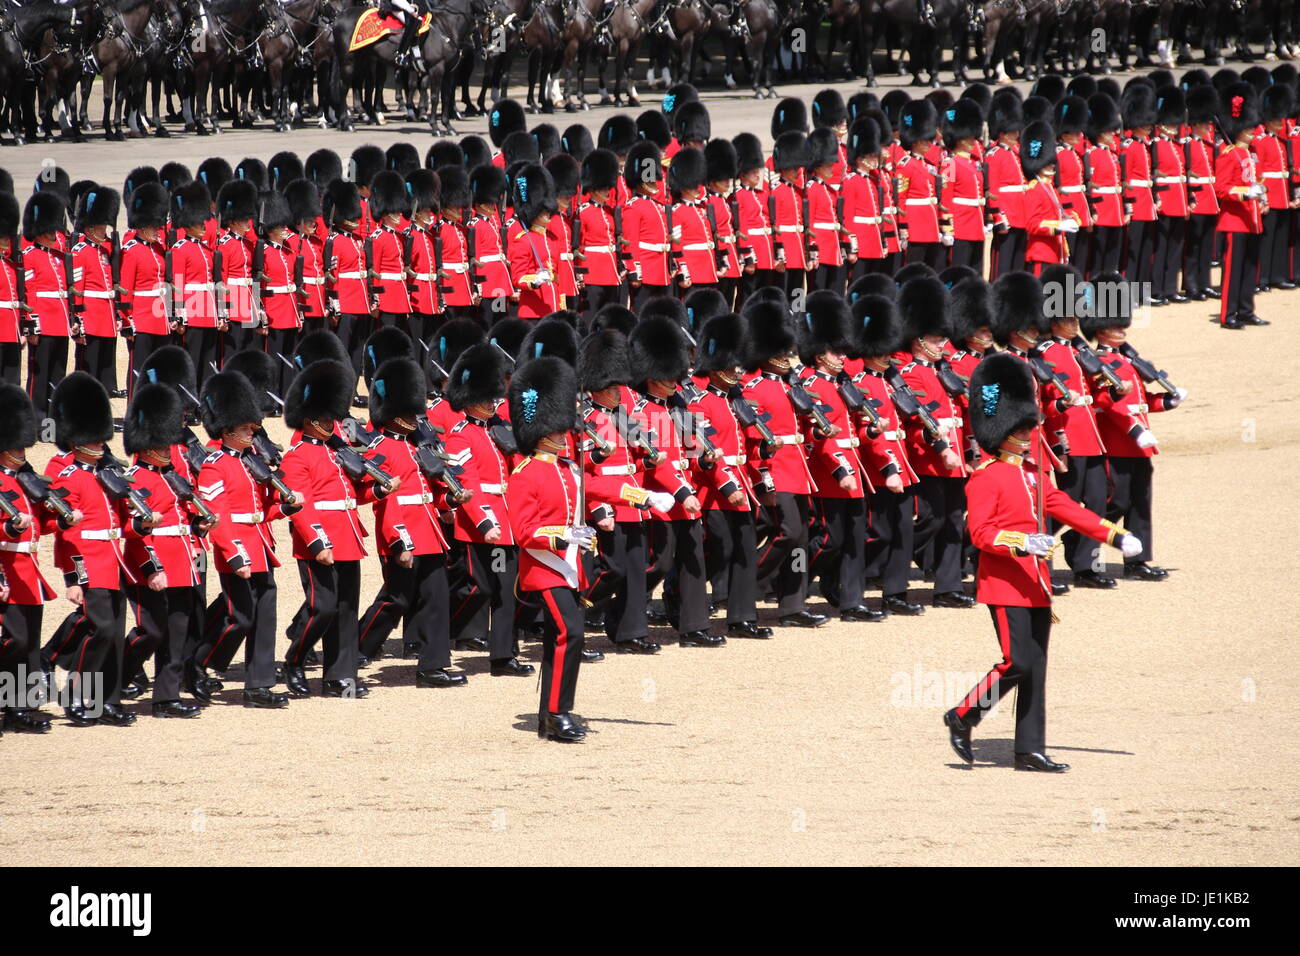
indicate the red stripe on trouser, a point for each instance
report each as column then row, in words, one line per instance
column 1224, row 294
column 230, row 613
column 984, row 687
column 306, row 628
column 557, row 662
column 374, row 617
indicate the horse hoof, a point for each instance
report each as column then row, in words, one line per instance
column 162, row 132
column 571, row 108
column 916, row 81
column 633, row 101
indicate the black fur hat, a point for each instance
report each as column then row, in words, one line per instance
column 81, row 411
column 652, row 125
column 687, row 172
column 599, row 170
column 322, row 390
column 1111, row 304
column 1006, row 114
column 577, row 142
column 1138, row 106
column 147, row 207
column 1161, row 78
column 424, row 187
column 455, row 187
column 388, row 195
column 1194, row 78
column 520, row 147
column 873, row 283
column 173, row 175
column 273, row 213
column 550, row 336
column 749, row 152
column 1171, row 106
column 478, row 376
column 397, row 391
column 1037, row 149
column 859, row 103
column 666, row 305
column 720, row 163
column 543, row 400
column 701, row 305
column 789, row 116
column 10, row 217
column 825, row 325
column 137, row 177
column 790, row 152
column 253, row 170
column 644, row 164
column 237, row 201
column 100, row 205
column 770, row 334
column 1050, row 87
column 262, row 372
column 1284, row 74
column 1277, row 103
column 963, row 120
column 453, row 338
column 318, row 346
column 304, row 200
column 17, row 418
column 923, row 308
column 1017, row 306
column 1258, row 77
column 883, row 124
column 172, row 366
column 284, row 167
column 1109, row 86
column 1239, row 110
column 323, row 166
column 603, row 361
column 971, row 309
column 955, row 274
column 214, row 172
column 402, row 157
column 917, row 123
column 863, row 139
column 191, row 206
column 1202, row 105
column 828, row 108
column 564, row 173
column 691, row 123
column 43, row 213
column 677, row 96
column 613, row 316
column 618, row 134
column 1037, row 109
column 1071, row 115
column 1062, row 285
column 1103, row 116
column 508, row 333
column 1001, row 400
column 893, row 103
column 914, row 270
column 658, row 350
column 823, row 148
column 228, row 400
column 876, row 328
column 722, row 340
column 386, row 342
column 444, row 152
column 155, row 420
column 506, row 117
column 1082, row 86
column 533, row 192
column 366, row 160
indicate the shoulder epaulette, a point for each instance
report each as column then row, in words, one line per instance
column 459, row 425
column 212, row 458
column 521, row 466
column 985, row 463
column 129, row 243
column 67, row 471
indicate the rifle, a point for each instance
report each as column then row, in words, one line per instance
column 908, row 404
column 431, row 456
column 9, row 512
column 369, row 253
column 74, row 308
column 805, row 406
column 1092, row 364
column 686, row 425
column 856, row 402
column 748, row 417
column 169, row 288
column 636, row 437
column 1148, row 371
column 262, row 472
column 112, row 478
column 502, row 435
column 258, row 277
column 195, row 454
column 949, row 379
column 181, row 487
column 27, row 326
column 37, row 488
column 218, row 280
column 1046, row 373
column 603, row 448
column 357, row 466
column 575, row 242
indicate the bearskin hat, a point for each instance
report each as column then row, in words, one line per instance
column 678, row 95
column 1037, row 149
column 424, row 187
column 43, row 213
column 1171, row 106
column 81, row 411
column 9, row 214
column 452, row 339
column 319, row 346
column 577, row 142
column 719, row 161
column 923, row 308
column 172, row 366
column 1017, row 306
column 274, row 214
column 520, row 147
column 691, row 123
column 1138, row 106
column 603, row 361
column 1002, row 399
column 444, row 152
column 873, row 283
column 543, row 400
column 892, row 105
column 876, row 329
column 17, row 418
column 388, row 195
column 643, row 165
column 701, row 305
column 658, row 350
column 863, row 139
column 1051, row 87
column 687, row 172
column 136, row 177
column 1239, row 110
column 214, row 172
column 963, row 120
column 228, row 400
column 859, row 103
column 941, row 99
column 1284, row 74
column 790, row 152
column 283, row 168
column 386, row 342
column 917, row 123
column 262, row 372
column 613, row 316
column 304, row 200
column 789, row 116
column 237, row 202
column 507, row 117
column 825, row 325
column 321, row 391
column 1194, row 78
column 666, row 305
column 749, row 152
column 1103, row 117
column 191, row 206
column 883, row 123
column 1277, row 103
column 828, row 108
column 823, row 148
column 599, row 170
column 770, row 334
column 652, row 125
column 252, row 170
column 914, row 270
column 323, row 166
column 475, row 150
column 1082, row 86
column 402, row 157
column 366, row 160
column 1258, row 77
column 568, row 316
column 1161, row 78
column 1062, row 285
column 147, row 207
column 154, row 420
column 1006, row 114
column 100, row 205
column 971, row 308
column 533, row 193
column 508, row 334
column 1109, row 86
column 564, row 172
column 1202, row 105
column 1071, row 115
column 173, row 175
column 550, row 336
column 1111, row 304
column 1036, row 109
column 455, row 192
column 618, row 134
column 478, row 376
column 954, row 274
column 397, row 390
column 721, row 341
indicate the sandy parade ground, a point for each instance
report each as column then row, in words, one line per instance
column 1170, row 700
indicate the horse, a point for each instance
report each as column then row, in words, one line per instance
column 499, row 36
column 296, row 50
column 925, row 53
column 542, row 37
column 690, row 21
column 49, row 30
column 755, row 38
column 223, row 44
column 451, row 28
column 121, row 28
column 164, row 65
column 845, row 17
column 580, row 21
column 627, row 27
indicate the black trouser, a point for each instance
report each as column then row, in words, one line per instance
column 940, row 526
column 1107, row 249
column 98, row 358
column 867, row 266
column 1081, row 251
column 1168, row 259
column 683, row 291
column 1197, row 253
column 619, row 584
column 792, row 279
column 143, row 346
column 838, row 558
column 485, row 606
column 202, row 344
column 421, row 326
column 1130, row 500
column 758, row 279
column 11, row 363
column 889, row 552
column 827, row 277
column 352, row 331
column 783, row 564
column 331, row 592
column 968, row 252
column 1084, row 481
column 599, row 296
column 239, row 336
column 102, row 648
column 417, row 597
column 20, row 650
column 562, row 643
column 162, row 621
column 389, row 320
column 731, row 562
column 281, row 342
column 727, row 286
column 643, row 293
column 678, row 553
column 1240, row 259
column 47, row 364
column 933, row 254
column 1273, row 247
column 247, row 617
column 1008, row 252
column 1138, row 253
column 1023, row 633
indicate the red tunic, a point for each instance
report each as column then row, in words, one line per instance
column 1070, row 185
column 786, row 206
column 492, row 275
column 94, row 547
column 144, row 286
column 279, row 293
column 532, row 270
column 421, row 277
column 830, row 459
column 1137, row 178
column 47, row 287
column 453, row 255
column 170, row 545
column 1077, row 421
column 692, row 242
column 543, row 500
column 1234, row 172
column 918, row 199
column 922, row 378
column 18, row 551
column 645, row 240
column 1120, row 420
column 559, row 239
column 672, row 475
column 192, row 280
column 1200, row 177
column 346, row 273
column 1271, row 169
column 243, row 535
column 486, row 473
column 237, row 275
column 598, row 245
column 884, row 452
column 729, row 474
column 605, row 479
column 755, row 228
column 406, row 520
column 1105, row 186
column 787, row 469
column 824, row 223
column 1170, row 177
column 1043, row 217
column 1006, row 183
column 962, row 197
column 388, row 265
column 329, row 516
column 92, row 276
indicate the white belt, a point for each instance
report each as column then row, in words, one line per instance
column 867, row 220
column 1013, row 188
column 892, row 436
column 846, row 443
column 949, row 423
column 495, row 257
column 51, row 295
column 100, row 293
column 1200, row 180
column 726, row 240
column 350, row 275
column 308, row 280
column 342, row 504
column 681, row 464
column 1107, row 190
column 654, row 246
column 391, row 276
column 826, row 225
column 423, row 276
column 10, row 305
column 171, row 531
column 1140, row 183
column 1071, row 189
column 241, row 517
column 734, row 459
column 765, row 231
column 455, row 267
column 193, row 287
column 1273, row 174
column 928, row 201
column 22, row 547
column 789, row 439
column 789, row 228
column 963, row 201
column 239, row 282
column 618, row 470
column 697, row 247
column 423, row 498
column 493, row 489
column 609, row 249
column 1143, row 407
column 1165, row 180
column 891, row 210
column 143, row 293
column 111, row 534
column 566, row 256
column 280, row 289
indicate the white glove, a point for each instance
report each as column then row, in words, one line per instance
column 988, row 228
column 581, row 535
column 1084, row 399
column 1130, row 546
column 1256, row 191
column 544, row 275
column 946, row 239
column 1039, row 544
column 1069, row 226
column 1147, row 439
column 661, row 501
column 1181, row 393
